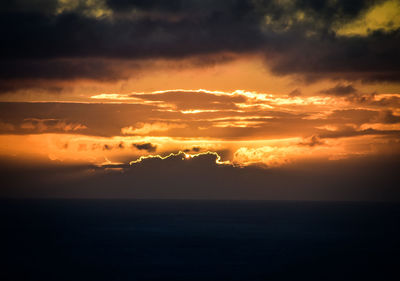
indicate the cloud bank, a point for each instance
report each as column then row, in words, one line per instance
column 112, row 39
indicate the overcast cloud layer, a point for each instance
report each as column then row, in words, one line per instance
column 85, row 39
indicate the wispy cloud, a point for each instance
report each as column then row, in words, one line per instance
column 147, row 128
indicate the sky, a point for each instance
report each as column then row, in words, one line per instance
column 200, row 99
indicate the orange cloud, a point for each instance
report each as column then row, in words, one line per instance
column 43, row 125
column 146, row 128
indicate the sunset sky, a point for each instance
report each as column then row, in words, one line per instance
column 200, row 99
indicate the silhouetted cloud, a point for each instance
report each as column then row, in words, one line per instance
column 363, row 178
column 145, row 146
column 340, row 90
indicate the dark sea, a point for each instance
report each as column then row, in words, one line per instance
column 198, row 240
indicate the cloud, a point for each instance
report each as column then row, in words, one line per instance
column 186, row 100
column 43, row 125
column 259, row 116
column 387, row 117
column 364, row 178
column 241, row 114
column 147, row 128
column 351, row 132
column 209, row 157
column 17, row 86
column 295, row 93
column 113, row 116
column 340, row 90
column 145, row 146
column 375, row 100
column 93, row 8
column 312, row 141
column 6, row 127
column 90, row 38
column 196, row 149
column 107, row 147
column 269, row 156
column 383, row 16
column 354, row 116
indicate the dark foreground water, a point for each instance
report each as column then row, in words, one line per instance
column 198, row 240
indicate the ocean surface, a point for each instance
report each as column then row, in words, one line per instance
column 198, row 240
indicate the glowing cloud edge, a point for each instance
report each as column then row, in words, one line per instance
column 186, row 156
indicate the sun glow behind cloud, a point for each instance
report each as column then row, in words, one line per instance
column 242, row 127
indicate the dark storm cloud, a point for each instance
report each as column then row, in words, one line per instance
column 36, row 38
column 74, row 35
column 31, row 6
column 152, row 5
column 7, row 86
column 149, row 147
column 371, row 58
column 70, row 69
